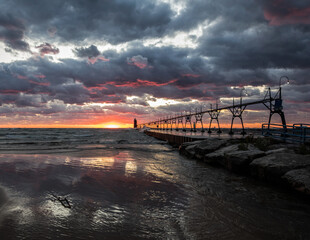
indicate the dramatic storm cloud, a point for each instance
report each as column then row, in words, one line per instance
column 12, row 32
column 88, row 63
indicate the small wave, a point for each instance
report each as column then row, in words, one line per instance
column 122, row 141
column 32, row 139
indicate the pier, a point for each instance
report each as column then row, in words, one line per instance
column 189, row 121
column 274, row 103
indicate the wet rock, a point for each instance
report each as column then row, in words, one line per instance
column 186, row 144
column 298, row 179
column 234, row 157
column 272, row 167
column 189, row 151
column 219, row 155
column 198, row 149
column 279, row 150
column 191, row 145
column 208, row 146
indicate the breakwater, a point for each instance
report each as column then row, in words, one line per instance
column 263, row 158
column 171, row 138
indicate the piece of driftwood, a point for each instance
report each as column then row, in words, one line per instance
column 64, row 201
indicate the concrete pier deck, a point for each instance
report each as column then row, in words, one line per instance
column 178, row 137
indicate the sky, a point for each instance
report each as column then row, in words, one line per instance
column 81, row 63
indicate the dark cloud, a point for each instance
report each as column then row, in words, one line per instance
column 174, row 75
column 12, row 32
column 112, row 21
column 29, row 100
column 46, row 48
column 239, row 37
column 257, row 47
column 282, row 12
column 138, row 101
column 123, row 108
column 77, row 82
column 241, row 12
column 90, row 52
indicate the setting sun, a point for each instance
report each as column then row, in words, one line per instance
column 112, row 126
column 115, row 125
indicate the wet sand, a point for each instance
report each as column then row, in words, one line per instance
column 133, row 191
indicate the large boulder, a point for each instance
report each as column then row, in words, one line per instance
column 272, row 167
column 208, row 146
column 188, row 146
column 299, row 180
column 235, row 157
column 189, row 151
column 219, row 155
column 198, row 149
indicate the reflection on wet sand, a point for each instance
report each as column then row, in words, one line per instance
column 104, row 191
column 99, row 162
column 126, row 194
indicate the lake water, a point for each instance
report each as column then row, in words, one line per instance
column 122, row 184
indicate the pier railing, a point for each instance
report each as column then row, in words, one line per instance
column 299, row 133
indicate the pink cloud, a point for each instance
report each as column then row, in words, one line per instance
column 97, row 88
column 138, row 61
column 40, row 83
column 92, row 60
column 11, row 91
column 141, row 83
column 40, row 76
column 149, row 83
column 46, row 48
column 281, row 12
column 21, row 77
column 190, row 75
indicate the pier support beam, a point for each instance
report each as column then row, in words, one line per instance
column 188, row 119
column 276, row 107
column 169, row 122
column 179, row 120
column 237, row 111
column 198, row 117
column 214, row 115
column 173, row 121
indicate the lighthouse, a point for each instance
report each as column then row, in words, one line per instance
column 135, row 123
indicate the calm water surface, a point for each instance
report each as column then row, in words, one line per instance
column 123, row 184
